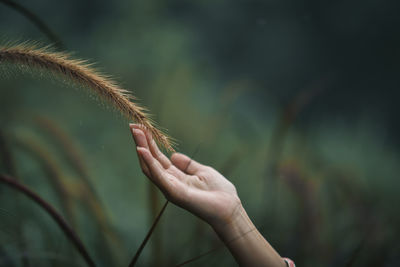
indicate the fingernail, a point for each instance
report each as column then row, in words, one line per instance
column 140, row 150
column 136, row 131
column 143, row 152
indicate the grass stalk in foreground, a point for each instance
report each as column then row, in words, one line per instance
column 144, row 242
column 8, row 161
column 68, row 231
column 154, row 206
column 52, row 171
column 79, row 72
column 72, row 153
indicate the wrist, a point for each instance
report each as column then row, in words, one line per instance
column 246, row 244
column 237, row 225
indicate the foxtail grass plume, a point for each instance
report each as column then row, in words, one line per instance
column 83, row 74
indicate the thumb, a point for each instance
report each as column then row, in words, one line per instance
column 186, row 164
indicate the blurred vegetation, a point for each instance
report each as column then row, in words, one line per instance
column 296, row 102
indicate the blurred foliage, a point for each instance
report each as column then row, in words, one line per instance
column 294, row 101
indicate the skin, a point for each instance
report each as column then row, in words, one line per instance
column 204, row 192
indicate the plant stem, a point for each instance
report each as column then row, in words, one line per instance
column 36, row 21
column 68, row 231
column 139, row 251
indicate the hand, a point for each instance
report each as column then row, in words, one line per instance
column 195, row 187
column 206, row 193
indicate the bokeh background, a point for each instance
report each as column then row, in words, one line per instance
column 295, row 102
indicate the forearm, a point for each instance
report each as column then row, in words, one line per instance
column 206, row 193
column 245, row 242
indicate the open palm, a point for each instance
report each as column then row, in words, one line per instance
column 195, row 187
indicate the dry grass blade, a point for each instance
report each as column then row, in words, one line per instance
column 8, row 161
column 72, row 236
column 144, row 242
column 66, row 146
column 51, row 169
column 69, row 150
column 81, row 73
column 74, row 156
column 154, row 205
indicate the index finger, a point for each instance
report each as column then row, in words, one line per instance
column 155, row 151
column 158, row 174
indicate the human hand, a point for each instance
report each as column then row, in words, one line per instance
column 195, row 187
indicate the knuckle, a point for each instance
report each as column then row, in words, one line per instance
column 202, row 177
column 208, row 169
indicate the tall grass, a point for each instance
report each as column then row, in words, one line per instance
column 154, row 206
column 70, row 151
column 8, row 160
column 148, row 235
column 53, row 172
column 342, row 194
column 81, row 73
column 68, row 231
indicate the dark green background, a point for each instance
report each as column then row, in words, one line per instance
column 296, row 102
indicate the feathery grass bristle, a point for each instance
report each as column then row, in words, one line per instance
column 82, row 73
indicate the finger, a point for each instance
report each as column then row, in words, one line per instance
column 155, row 151
column 139, row 136
column 140, row 141
column 158, row 174
column 186, row 164
column 137, row 131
